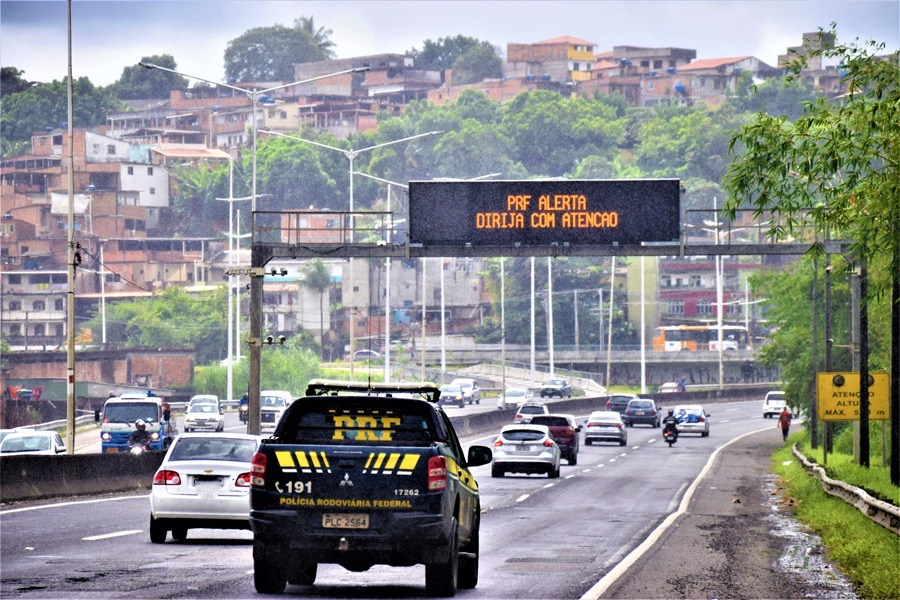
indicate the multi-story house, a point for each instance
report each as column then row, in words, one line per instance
column 34, row 309
column 713, row 80
column 560, row 59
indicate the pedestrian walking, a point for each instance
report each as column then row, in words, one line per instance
column 784, row 421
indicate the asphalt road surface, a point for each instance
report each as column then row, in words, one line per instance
column 540, row 538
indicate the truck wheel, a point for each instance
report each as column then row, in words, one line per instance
column 268, row 575
column 441, row 578
column 467, row 578
column 158, row 531
column 303, row 572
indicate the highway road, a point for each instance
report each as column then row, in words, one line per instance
column 540, row 538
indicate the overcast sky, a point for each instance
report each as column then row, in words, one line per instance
column 107, row 36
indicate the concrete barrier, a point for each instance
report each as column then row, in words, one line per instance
column 40, row 477
column 34, row 477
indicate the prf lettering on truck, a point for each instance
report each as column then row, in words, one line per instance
column 365, row 428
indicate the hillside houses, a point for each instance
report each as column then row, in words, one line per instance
column 122, row 183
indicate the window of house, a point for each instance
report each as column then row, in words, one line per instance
column 153, row 191
column 41, row 279
column 672, row 64
column 59, row 330
column 657, row 64
column 14, row 279
column 695, row 281
column 14, row 329
column 149, row 170
column 675, row 308
column 355, row 288
column 14, row 305
column 39, row 330
column 650, row 85
column 38, row 305
column 576, row 66
column 110, row 150
column 704, row 308
column 645, row 63
column 59, row 304
column 129, row 223
column 332, row 223
column 130, row 170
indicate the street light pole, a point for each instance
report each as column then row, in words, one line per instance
column 351, row 155
column 258, row 257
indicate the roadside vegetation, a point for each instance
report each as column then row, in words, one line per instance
column 867, row 553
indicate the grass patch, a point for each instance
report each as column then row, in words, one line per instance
column 867, row 553
column 876, row 480
column 360, row 373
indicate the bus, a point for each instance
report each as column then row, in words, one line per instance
column 675, row 338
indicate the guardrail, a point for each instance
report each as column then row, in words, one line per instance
column 885, row 514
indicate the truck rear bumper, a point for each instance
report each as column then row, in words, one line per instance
column 395, row 539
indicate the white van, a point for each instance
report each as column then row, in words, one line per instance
column 272, row 404
column 471, row 391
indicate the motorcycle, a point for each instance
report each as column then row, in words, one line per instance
column 670, row 435
column 244, row 413
column 138, row 447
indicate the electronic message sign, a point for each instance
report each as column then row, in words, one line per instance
column 541, row 212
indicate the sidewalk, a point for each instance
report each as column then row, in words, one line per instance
column 736, row 539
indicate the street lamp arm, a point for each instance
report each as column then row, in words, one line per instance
column 388, row 181
column 406, row 139
column 300, row 139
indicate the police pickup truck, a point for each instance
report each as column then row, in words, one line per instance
column 361, row 474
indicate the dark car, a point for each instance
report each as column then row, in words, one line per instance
column 556, row 387
column 641, row 412
column 564, row 431
column 619, row 402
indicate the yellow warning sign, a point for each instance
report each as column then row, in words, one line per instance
column 838, row 396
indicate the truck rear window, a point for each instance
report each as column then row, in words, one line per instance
column 364, row 423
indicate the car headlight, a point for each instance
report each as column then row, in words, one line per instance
column 105, row 436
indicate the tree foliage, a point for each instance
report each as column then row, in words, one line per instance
column 12, row 82
column 270, row 53
column 837, row 166
column 477, row 64
column 441, row 54
column 137, row 82
column 46, row 105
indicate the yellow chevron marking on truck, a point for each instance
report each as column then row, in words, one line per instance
column 408, row 464
column 285, row 461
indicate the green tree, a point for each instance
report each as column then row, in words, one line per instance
column 270, row 53
column 836, row 167
column 12, row 82
column 441, row 54
column 776, row 97
column 477, row 64
column 291, row 172
column 46, row 105
column 173, row 319
column 194, row 210
column 138, row 83
column 317, row 278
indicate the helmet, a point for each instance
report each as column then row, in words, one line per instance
column 671, row 412
column 140, row 425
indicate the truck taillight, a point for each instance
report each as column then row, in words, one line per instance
column 258, row 470
column 166, row 477
column 437, row 473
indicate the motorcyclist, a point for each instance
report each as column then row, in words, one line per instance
column 140, row 436
column 244, row 407
column 670, row 423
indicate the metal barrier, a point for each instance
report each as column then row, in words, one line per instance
column 885, row 514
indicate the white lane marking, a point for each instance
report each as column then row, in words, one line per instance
column 624, row 454
column 106, row 536
column 548, row 485
column 610, row 578
column 522, row 498
column 75, row 503
column 651, row 440
column 612, row 460
column 634, row 448
column 570, row 476
column 586, row 471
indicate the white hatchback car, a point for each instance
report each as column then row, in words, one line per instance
column 203, row 482
column 773, row 404
column 605, row 426
column 525, row 448
column 515, row 397
column 204, row 417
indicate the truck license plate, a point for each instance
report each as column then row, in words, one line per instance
column 345, row 521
